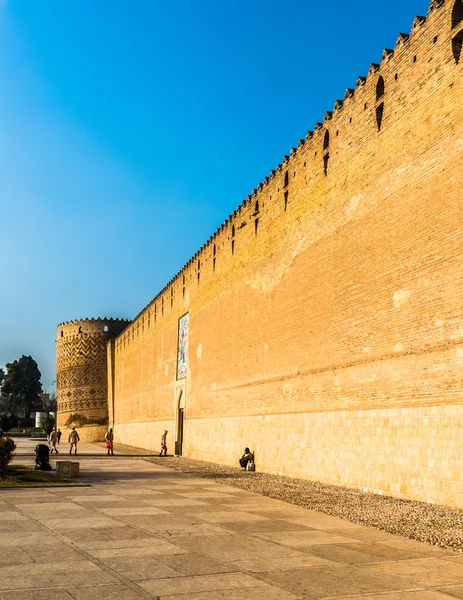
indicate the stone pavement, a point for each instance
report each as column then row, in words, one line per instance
column 26, row 447
column 143, row 531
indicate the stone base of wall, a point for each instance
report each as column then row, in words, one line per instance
column 145, row 435
column 90, row 433
column 411, row 453
column 91, row 425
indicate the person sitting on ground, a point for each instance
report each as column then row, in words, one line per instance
column 247, row 457
column 54, row 441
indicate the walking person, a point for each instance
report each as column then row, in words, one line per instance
column 54, row 441
column 73, row 439
column 109, row 439
column 164, row 444
column 59, row 434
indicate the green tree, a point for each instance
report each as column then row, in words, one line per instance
column 2, row 397
column 6, row 421
column 22, row 386
column 48, row 423
column 7, row 448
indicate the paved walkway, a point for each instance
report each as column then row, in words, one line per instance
column 144, row 531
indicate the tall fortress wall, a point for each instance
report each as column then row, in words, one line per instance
column 322, row 323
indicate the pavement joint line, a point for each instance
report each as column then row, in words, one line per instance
column 128, row 582
column 385, row 594
column 89, row 455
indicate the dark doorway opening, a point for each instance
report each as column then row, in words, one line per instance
column 181, row 418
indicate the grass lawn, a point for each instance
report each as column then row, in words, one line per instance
column 21, row 476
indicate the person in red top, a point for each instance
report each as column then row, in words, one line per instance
column 109, row 438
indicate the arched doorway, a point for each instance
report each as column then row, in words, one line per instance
column 180, row 422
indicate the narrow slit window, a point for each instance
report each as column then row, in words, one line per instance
column 286, row 182
column 457, row 44
column 326, row 140
column 380, row 88
column 162, row 306
column 256, row 208
column 286, row 199
column 457, row 13
column 155, row 312
column 326, row 160
column 379, row 115
column 233, row 246
column 256, row 225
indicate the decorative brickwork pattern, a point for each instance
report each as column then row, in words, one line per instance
column 82, row 375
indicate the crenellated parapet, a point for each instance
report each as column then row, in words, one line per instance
column 365, row 115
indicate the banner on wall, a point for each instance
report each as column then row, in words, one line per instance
column 182, row 357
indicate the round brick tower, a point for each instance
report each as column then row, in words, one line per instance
column 82, row 375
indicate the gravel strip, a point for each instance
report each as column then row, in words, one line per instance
column 436, row 525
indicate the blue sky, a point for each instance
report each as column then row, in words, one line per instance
column 130, row 129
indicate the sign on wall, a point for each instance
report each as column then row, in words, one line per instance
column 182, row 357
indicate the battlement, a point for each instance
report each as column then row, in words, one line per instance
column 110, row 327
column 363, row 121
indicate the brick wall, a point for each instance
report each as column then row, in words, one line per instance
column 326, row 324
